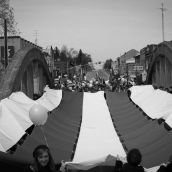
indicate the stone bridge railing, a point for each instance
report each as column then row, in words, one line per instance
column 160, row 71
column 27, row 72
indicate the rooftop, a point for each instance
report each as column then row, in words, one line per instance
column 18, row 37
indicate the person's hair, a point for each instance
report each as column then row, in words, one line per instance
column 134, row 157
column 36, row 153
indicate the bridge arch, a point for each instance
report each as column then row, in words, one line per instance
column 160, row 71
column 27, row 72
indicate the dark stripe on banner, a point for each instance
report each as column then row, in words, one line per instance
column 66, row 120
column 137, row 131
column 109, row 103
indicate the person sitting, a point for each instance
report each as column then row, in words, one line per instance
column 42, row 161
column 134, row 159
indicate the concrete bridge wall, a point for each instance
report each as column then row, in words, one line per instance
column 28, row 72
column 160, row 71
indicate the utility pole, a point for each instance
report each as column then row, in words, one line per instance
column 36, row 37
column 5, row 44
column 162, row 11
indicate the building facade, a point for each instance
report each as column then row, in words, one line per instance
column 123, row 65
column 14, row 44
column 146, row 56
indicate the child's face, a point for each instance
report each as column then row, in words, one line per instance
column 43, row 159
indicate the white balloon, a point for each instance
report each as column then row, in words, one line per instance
column 90, row 85
column 38, row 114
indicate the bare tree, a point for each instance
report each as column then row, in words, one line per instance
column 7, row 13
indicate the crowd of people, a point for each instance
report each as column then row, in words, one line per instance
column 115, row 83
column 43, row 162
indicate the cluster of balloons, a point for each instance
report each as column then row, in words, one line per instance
column 38, row 114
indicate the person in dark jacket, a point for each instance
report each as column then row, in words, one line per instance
column 42, row 160
column 134, row 159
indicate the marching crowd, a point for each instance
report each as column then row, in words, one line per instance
column 114, row 84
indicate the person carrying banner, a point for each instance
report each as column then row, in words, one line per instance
column 42, row 161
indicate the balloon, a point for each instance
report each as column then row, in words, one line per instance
column 107, row 82
column 38, row 114
column 90, row 85
column 91, row 81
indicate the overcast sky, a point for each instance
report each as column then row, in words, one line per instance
column 102, row 28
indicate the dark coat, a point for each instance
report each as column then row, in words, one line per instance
column 29, row 168
column 130, row 168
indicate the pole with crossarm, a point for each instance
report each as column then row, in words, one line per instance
column 162, row 11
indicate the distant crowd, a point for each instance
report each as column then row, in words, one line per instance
column 114, row 84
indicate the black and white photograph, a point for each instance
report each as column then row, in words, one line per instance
column 86, row 85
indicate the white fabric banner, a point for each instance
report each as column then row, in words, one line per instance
column 155, row 103
column 50, row 99
column 98, row 137
column 14, row 115
column 10, row 129
column 104, row 161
